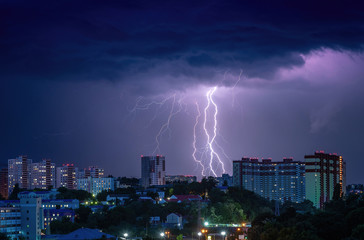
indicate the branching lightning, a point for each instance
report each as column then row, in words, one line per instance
column 213, row 160
column 208, row 154
column 165, row 127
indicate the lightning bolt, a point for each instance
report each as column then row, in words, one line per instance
column 209, row 159
column 207, row 152
column 195, row 139
column 165, row 127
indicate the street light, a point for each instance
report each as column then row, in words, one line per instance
column 125, row 235
column 223, row 234
column 199, row 235
column 206, row 224
column 162, row 234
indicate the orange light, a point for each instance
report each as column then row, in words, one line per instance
column 239, row 229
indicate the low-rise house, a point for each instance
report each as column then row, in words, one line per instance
column 174, row 220
column 184, row 198
column 117, row 198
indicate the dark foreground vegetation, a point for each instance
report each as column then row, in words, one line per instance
column 340, row 219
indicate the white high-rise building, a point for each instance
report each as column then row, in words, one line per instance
column 42, row 174
column 66, row 176
column 19, row 172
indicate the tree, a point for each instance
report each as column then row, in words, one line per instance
column 103, row 195
column 63, row 226
column 14, row 193
column 82, row 214
column 3, row 236
column 65, row 193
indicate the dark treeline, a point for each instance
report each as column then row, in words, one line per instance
column 339, row 220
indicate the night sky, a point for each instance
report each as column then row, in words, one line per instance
column 93, row 82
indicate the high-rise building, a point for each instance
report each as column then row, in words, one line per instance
column 282, row 181
column 324, row 172
column 42, row 174
column 153, row 170
column 91, row 171
column 4, row 182
column 19, row 172
column 66, row 176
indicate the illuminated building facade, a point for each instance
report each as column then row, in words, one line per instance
column 324, row 171
column 282, row 181
column 95, row 185
column 19, row 172
column 42, row 174
column 153, row 170
column 66, row 176
column 10, row 221
column 91, row 171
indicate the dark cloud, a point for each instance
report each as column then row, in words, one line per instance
column 70, row 71
column 96, row 40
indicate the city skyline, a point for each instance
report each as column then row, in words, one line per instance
column 202, row 83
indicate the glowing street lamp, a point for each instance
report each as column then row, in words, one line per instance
column 223, row 233
column 199, row 235
column 206, row 224
column 162, row 234
column 125, row 235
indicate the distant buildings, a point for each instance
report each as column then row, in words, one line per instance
column 324, row 172
column 19, row 172
column 66, row 176
column 282, row 181
column 42, row 174
column 225, row 180
column 356, row 189
column 153, row 170
column 96, row 185
column 91, row 171
column 180, row 178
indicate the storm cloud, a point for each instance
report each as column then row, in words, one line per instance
column 71, row 71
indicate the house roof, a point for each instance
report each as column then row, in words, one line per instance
column 179, row 215
column 181, row 198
